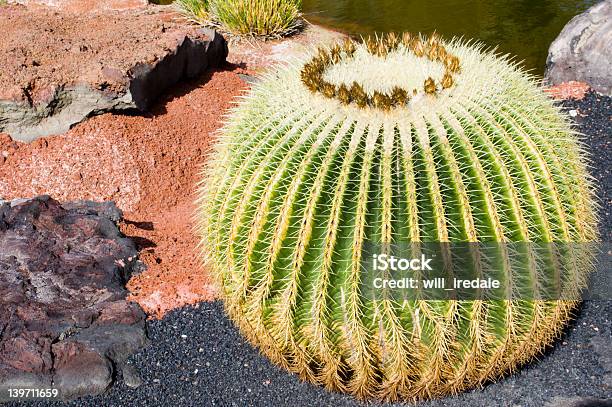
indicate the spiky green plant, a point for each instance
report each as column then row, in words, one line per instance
column 258, row 18
column 266, row 18
column 396, row 139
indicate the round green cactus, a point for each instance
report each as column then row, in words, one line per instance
column 390, row 140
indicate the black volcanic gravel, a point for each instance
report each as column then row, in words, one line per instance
column 197, row 357
column 594, row 120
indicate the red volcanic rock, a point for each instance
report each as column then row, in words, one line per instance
column 64, row 318
column 568, row 90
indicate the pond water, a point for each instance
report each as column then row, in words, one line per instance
column 523, row 28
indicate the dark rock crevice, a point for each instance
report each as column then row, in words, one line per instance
column 190, row 60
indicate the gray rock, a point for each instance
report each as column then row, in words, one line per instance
column 582, row 52
column 603, row 348
column 131, row 377
column 65, row 322
column 79, row 371
column 67, row 106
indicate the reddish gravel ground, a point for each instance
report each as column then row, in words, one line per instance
column 149, row 166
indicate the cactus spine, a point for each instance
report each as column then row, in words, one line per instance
column 393, row 139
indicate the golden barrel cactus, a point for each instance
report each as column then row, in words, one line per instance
column 391, row 140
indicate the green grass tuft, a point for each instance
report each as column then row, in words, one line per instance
column 260, row 18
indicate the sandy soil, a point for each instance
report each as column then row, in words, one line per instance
column 149, row 166
column 79, row 48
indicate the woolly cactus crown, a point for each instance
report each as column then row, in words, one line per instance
column 394, row 139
